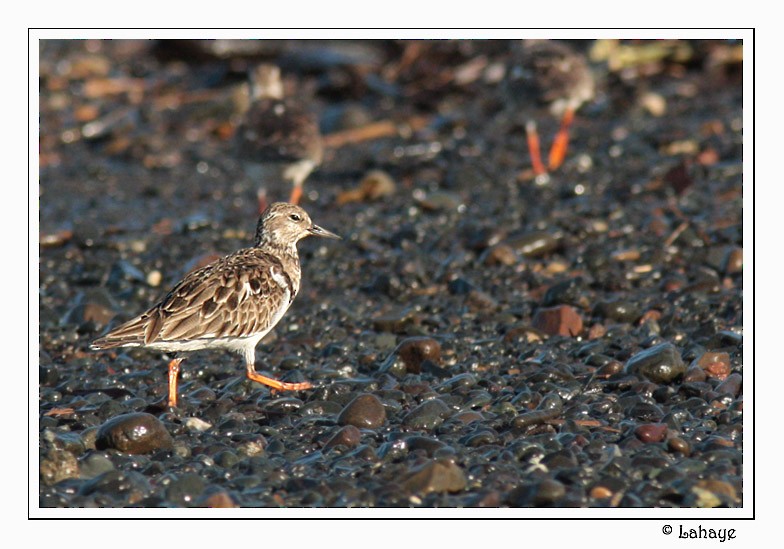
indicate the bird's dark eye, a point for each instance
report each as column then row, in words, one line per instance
column 295, row 217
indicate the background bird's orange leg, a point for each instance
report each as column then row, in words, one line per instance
column 561, row 141
column 296, row 194
column 532, row 136
column 174, row 370
column 274, row 383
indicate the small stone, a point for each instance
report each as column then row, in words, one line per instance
column 654, row 103
column 651, row 432
column 154, row 278
column 618, row 310
column 435, row 476
column 58, row 465
column 348, row 436
column 374, row 185
column 733, row 262
column 136, row 433
column 534, row 244
column 364, row 412
column 416, row 350
column 196, row 424
column 694, row 373
column 428, row 415
column 185, row 489
column 218, row 500
column 501, row 254
column 562, row 320
column 600, row 492
column 731, row 386
column 93, row 465
column 678, row 445
column 715, row 364
column 661, row 363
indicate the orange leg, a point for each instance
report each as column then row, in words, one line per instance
column 533, row 148
column 174, row 370
column 274, row 383
column 561, row 141
column 296, row 194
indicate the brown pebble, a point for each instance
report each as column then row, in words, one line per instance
column 136, row 433
column 561, row 320
column 435, row 476
column 365, row 412
column 651, row 432
column 416, row 350
column 719, row 370
column 600, row 492
column 678, row 445
column 348, row 436
column 219, row 500
column 609, row 369
column 501, row 254
column 711, row 357
column 597, row 331
column 733, row 262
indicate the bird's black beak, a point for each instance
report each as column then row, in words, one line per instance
column 315, row 230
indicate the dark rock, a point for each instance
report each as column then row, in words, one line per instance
column 618, row 310
column 428, row 415
column 364, row 412
column 184, row 489
column 416, row 350
column 661, row 363
column 348, row 436
column 135, row 433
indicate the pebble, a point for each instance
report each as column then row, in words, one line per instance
column 731, row 386
column 501, row 254
column 661, row 363
column 218, row 500
column 135, row 433
column 733, row 261
column 651, row 432
column 415, row 350
column 561, row 320
column 438, row 476
column 427, row 416
column 618, row 310
column 184, row 489
column 534, row 244
column 348, row 436
column 94, row 464
column 58, row 465
column 364, row 412
column 196, row 424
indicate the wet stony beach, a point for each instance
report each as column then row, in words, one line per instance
column 479, row 338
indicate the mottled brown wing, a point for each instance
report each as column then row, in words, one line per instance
column 277, row 130
column 236, row 296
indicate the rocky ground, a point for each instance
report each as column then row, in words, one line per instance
column 479, row 338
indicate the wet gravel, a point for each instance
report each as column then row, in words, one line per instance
column 478, row 339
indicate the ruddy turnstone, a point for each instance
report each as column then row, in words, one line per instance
column 555, row 74
column 232, row 303
column 277, row 139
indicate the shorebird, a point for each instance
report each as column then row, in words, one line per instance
column 232, row 303
column 277, row 139
column 550, row 72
